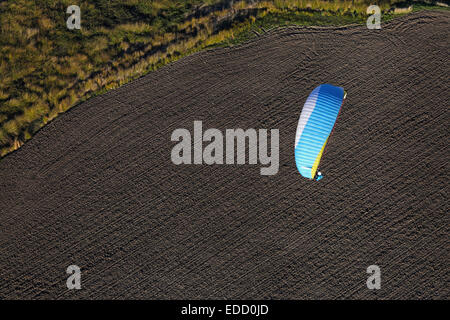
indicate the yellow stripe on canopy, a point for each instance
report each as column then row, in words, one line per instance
column 316, row 162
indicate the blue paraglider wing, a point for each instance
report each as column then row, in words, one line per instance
column 316, row 122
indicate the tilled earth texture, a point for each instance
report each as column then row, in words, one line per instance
column 97, row 188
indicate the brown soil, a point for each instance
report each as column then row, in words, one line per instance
column 96, row 187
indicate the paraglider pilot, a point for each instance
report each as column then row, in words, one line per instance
column 319, row 176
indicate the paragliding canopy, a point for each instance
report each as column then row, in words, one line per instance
column 316, row 122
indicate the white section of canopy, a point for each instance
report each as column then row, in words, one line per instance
column 306, row 113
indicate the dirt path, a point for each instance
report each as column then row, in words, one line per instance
column 96, row 187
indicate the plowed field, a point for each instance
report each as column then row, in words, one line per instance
column 97, row 188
